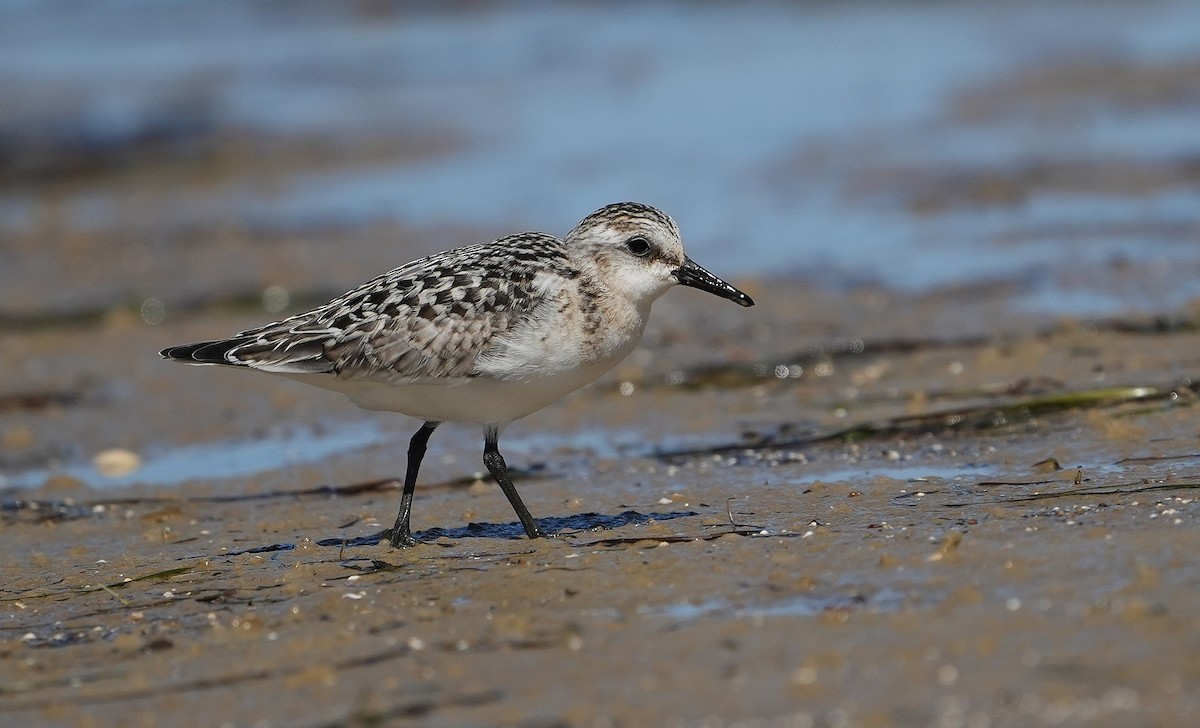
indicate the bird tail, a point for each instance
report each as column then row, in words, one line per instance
column 204, row 352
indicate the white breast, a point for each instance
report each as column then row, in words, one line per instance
column 551, row 354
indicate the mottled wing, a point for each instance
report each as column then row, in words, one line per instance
column 430, row 319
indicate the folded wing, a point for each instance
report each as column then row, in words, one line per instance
column 430, row 319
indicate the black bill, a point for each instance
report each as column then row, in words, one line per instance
column 690, row 274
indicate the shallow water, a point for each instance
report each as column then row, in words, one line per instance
column 289, row 447
column 784, row 137
column 911, row 473
column 219, row 460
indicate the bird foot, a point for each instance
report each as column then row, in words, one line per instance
column 402, row 539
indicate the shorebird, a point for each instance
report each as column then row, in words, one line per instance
column 485, row 334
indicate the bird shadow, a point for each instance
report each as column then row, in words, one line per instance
column 553, row 525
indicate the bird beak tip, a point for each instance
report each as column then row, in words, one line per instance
column 693, row 275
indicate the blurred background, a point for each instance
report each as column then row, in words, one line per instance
column 160, row 156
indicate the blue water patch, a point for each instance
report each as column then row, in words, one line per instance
column 217, row 460
column 603, row 442
column 784, row 137
column 908, row 472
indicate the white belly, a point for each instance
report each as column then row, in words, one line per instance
column 479, row 400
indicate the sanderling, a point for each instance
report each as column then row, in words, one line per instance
column 485, row 334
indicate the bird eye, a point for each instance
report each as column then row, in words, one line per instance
column 639, row 246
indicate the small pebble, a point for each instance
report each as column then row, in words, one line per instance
column 116, row 462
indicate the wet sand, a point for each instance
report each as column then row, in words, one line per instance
column 895, row 529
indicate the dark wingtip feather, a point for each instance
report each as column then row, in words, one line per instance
column 203, row 352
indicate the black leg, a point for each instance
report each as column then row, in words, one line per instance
column 495, row 465
column 401, row 533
